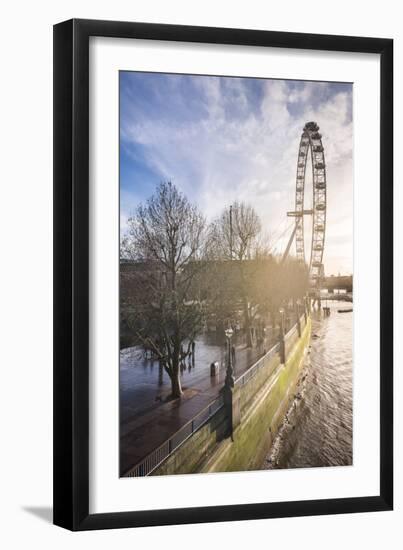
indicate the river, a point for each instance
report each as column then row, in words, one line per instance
column 317, row 430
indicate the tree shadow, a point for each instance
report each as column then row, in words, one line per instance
column 45, row 513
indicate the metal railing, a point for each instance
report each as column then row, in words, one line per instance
column 294, row 328
column 291, row 332
column 254, row 369
column 161, row 453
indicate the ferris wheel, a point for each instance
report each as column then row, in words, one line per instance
column 311, row 142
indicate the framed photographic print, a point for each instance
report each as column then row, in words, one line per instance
column 223, row 320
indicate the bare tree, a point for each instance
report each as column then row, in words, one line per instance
column 166, row 239
column 236, row 236
column 237, row 233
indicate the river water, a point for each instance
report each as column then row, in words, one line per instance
column 317, row 430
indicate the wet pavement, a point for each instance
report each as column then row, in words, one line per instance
column 148, row 416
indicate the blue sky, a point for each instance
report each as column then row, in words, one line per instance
column 221, row 139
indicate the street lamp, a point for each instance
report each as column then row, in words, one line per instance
column 229, row 377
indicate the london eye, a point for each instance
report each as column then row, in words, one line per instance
column 310, row 144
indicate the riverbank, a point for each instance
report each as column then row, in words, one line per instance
column 317, row 429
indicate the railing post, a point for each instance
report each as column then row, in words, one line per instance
column 232, row 403
column 308, row 301
column 281, row 339
column 298, row 321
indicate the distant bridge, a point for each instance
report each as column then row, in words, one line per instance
column 340, row 282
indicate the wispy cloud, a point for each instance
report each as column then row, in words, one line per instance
column 225, row 139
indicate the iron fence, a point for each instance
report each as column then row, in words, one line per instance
column 294, row 328
column 254, row 369
column 291, row 332
column 161, row 453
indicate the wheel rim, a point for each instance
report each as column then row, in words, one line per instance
column 311, row 141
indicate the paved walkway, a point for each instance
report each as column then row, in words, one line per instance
column 147, row 415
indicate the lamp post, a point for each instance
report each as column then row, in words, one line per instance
column 229, row 377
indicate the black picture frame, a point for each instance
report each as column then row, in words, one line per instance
column 71, row 274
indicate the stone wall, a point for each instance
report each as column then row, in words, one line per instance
column 189, row 457
column 249, row 391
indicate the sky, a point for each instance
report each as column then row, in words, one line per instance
column 222, row 139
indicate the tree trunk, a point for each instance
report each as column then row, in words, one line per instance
column 247, row 324
column 175, row 365
column 176, row 385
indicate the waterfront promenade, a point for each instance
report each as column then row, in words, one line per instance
column 148, row 416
